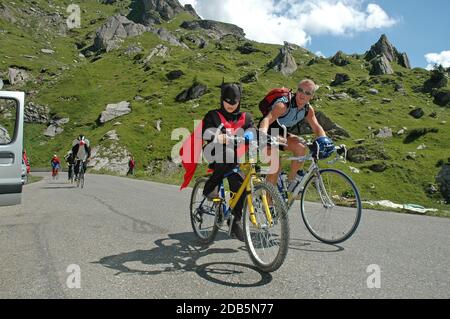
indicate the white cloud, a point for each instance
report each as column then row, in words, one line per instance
column 320, row 54
column 442, row 58
column 275, row 21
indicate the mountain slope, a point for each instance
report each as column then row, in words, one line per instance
column 79, row 87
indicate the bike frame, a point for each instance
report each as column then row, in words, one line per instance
column 313, row 169
column 247, row 185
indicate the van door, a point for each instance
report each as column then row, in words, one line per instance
column 11, row 146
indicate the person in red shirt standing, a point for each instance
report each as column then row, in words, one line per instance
column 25, row 160
column 131, row 165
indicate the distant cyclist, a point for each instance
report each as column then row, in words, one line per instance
column 56, row 164
column 81, row 150
column 70, row 159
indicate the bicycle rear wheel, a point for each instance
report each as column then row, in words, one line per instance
column 267, row 241
column 204, row 214
column 82, row 180
column 331, row 206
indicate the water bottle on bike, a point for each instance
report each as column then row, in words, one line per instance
column 294, row 185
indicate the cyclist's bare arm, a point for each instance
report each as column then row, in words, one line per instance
column 278, row 110
column 315, row 126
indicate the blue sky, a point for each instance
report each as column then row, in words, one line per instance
column 416, row 27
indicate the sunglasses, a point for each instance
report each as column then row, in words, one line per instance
column 307, row 93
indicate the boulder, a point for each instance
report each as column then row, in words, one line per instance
column 4, row 136
column 113, row 158
column 175, row 74
column 378, row 167
column 442, row 98
column 194, row 92
column 53, row 130
column 159, row 51
column 111, row 135
column 361, row 153
column 116, row 28
column 133, row 50
column 340, row 59
column 373, row 91
column 48, row 51
column 417, row 113
column 194, row 40
column 340, row 78
column 167, row 36
column 158, row 125
column 114, row 110
column 35, row 113
column 250, row 77
column 55, row 126
column 17, row 76
column 149, row 12
column 384, row 132
column 443, row 180
column 284, row 61
column 247, row 48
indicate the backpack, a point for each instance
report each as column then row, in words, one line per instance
column 266, row 102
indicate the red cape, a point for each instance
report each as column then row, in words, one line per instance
column 191, row 150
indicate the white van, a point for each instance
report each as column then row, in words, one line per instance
column 11, row 146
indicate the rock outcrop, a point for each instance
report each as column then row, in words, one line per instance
column 384, row 48
column 55, row 126
column 284, row 62
column 380, row 65
column 340, row 59
column 4, row 136
column 116, row 28
column 112, row 158
column 214, row 29
column 443, row 179
column 114, row 110
column 194, row 92
column 35, row 113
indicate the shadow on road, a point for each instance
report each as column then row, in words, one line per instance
column 313, row 246
column 59, row 187
column 180, row 253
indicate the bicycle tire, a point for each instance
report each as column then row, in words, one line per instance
column 340, row 198
column 259, row 237
column 204, row 237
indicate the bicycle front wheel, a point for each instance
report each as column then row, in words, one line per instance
column 331, row 206
column 267, row 236
column 204, row 214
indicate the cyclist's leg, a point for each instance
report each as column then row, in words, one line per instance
column 77, row 168
column 298, row 149
column 220, row 166
column 211, row 185
column 235, row 181
column 271, row 156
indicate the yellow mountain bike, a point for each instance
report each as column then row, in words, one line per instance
column 264, row 215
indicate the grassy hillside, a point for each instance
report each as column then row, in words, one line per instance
column 80, row 88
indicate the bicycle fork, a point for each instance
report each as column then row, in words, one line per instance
column 265, row 204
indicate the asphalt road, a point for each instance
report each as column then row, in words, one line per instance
column 133, row 239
